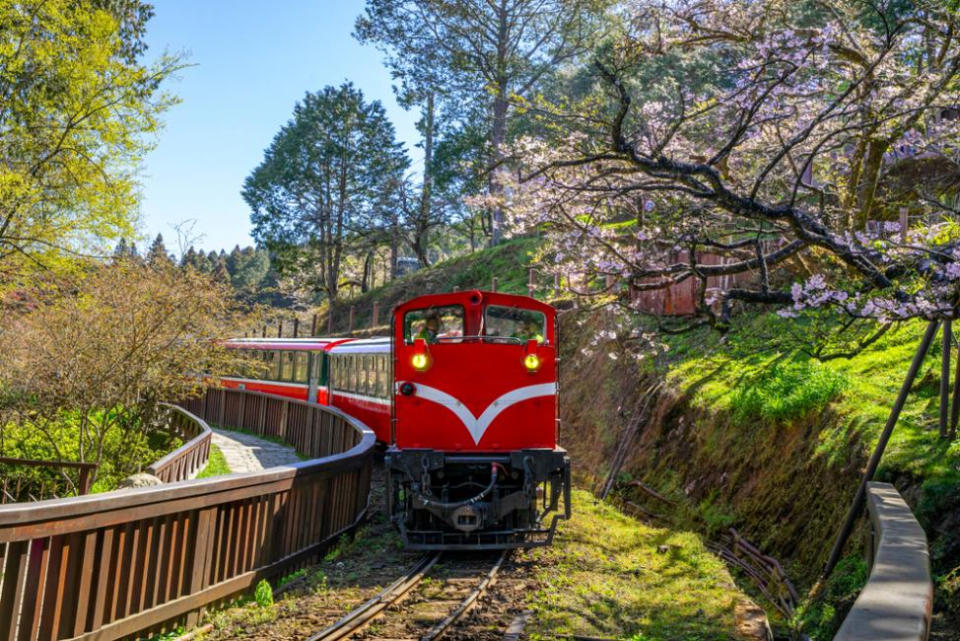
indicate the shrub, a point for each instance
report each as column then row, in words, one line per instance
column 263, row 594
column 786, row 391
column 87, row 363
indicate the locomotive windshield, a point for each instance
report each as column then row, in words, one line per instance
column 513, row 322
column 433, row 323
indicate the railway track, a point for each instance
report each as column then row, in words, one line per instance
column 362, row 617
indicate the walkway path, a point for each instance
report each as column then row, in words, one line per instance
column 246, row 453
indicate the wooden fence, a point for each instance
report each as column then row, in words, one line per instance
column 141, row 561
column 191, row 457
column 16, row 487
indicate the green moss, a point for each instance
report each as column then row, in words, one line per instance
column 608, row 575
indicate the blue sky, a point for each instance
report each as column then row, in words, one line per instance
column 252, row 60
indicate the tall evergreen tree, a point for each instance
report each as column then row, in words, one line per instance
column 157, row 254
column 321, row 182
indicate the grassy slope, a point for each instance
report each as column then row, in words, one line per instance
column 609, row 576
column 772, row 442
column 507, row 262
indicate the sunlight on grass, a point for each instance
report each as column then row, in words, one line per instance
column 608, row 575
column 216, row 465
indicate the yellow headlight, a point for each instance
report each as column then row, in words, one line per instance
column 531, row 362
column 419, row 362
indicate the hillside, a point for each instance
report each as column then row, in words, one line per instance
column 508, row 262
column 768, row 441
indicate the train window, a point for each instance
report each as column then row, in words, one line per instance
column 271, row 371
column 383, row 379
column 300, row 367
column 433, row 323
column 514, row 322
column 367, row 378
column 286, row 366
column 352, row 373
column 335, row 379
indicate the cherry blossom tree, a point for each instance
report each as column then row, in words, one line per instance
column 782, row 140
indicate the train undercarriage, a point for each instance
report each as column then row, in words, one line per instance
column 442, row 501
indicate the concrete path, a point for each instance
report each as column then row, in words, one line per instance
column 245, row 453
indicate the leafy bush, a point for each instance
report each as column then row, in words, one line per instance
column 263, row 594
column 786, row 391
column 87, row 363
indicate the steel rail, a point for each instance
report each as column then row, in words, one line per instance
column 363, row 615
column 439, row 629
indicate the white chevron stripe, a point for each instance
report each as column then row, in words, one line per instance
column 477, row 426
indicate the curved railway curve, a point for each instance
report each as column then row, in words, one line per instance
column 145, row 561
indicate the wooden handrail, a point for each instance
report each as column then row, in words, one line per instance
column 38, row 463
column 116, row 564
column 191, row 457
column 896, row 602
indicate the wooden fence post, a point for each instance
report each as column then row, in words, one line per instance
column 493, row 284
column 264, row 334
column 280, row 328
column 353, row 309
column 374, row 314
column 313, row 326
column 531, row 285
column 296, row 326
column 904, row 221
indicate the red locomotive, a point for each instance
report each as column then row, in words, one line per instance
column 464, row 394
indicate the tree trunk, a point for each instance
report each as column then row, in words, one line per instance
column 423, row 228
column 394, row 244
column 872, row 163
column 499, row 133
column 367, row 267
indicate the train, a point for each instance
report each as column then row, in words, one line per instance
column 462, row 396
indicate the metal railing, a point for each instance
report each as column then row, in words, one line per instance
column 143, row 561
column 897, row 601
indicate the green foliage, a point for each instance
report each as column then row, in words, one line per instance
column 290, row 578
column 126, row 450
column 325, row 183
column 216, row 464
column 786, row 391
column 263, row 594
column 821, row 619
column 508, row 262
column 78, row 113
column 87, row 368
column 343, row 546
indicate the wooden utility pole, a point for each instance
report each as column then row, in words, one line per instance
column 860, row 497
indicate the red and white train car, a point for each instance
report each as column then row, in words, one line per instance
column 474, row 461
column 464, row 394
